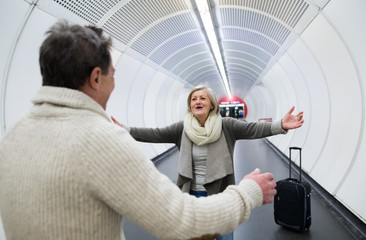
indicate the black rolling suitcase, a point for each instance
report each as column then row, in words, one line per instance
column 292, row 202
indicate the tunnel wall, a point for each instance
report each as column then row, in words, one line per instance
column 322, row 74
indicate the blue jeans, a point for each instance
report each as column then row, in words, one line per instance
column 229, row 236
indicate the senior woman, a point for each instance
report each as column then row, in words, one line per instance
column 206, row 142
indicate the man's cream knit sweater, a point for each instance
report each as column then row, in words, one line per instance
column 68, row 172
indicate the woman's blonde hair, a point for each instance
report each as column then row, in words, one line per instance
column 211, row 96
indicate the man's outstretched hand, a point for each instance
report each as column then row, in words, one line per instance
column 266, row 182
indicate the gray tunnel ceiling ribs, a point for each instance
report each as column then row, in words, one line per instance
column 252, row 34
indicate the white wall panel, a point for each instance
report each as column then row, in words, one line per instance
column 126, row 70
column 136, row 95
column 260, row 103
column 276, row 81
column 24, row 77
column 150, row 105
column 144, row 97
column 11, row 25
column 182, row 96
column 150, row 99
column 298, row 96
column 315, row 104
column 269, row 81
column 135, row 104
column 161, row 103
column 251, row 104
column 344, row 91
column 133, row 100
column 174, row 108
column 351, row 30
column 169, row 98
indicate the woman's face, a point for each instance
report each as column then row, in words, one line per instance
column 201, row 105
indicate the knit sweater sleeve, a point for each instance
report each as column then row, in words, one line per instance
column 251, row 130
column 169, row 134
column 119, row 175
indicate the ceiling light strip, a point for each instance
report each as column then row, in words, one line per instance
column 210, row 31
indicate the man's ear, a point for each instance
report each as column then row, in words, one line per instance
column 94, row 78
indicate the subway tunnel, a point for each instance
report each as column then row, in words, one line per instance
column 273, row 54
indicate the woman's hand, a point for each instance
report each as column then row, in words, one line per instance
column 116, row 122
column 292, row 121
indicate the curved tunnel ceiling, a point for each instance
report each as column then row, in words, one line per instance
column 252, row 34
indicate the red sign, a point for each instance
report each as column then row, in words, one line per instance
column 233, row 100
column 230, row 100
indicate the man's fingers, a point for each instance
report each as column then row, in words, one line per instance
column 268, row 176
column 266, row 182
column 252, row 175
column 256, row 171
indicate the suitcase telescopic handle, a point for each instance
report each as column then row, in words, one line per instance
column 295, row 148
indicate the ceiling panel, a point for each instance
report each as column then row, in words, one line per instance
column 252, row 34
column 184, row 57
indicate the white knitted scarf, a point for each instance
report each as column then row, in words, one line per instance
column 211, row 132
